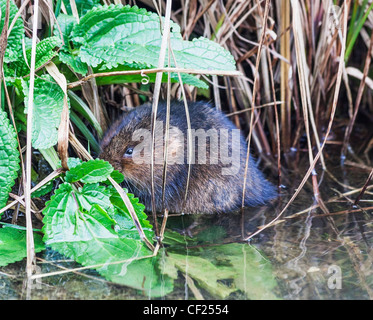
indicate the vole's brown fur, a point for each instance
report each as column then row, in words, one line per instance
column 209, row 190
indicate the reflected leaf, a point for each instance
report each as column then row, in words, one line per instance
column 225, row 269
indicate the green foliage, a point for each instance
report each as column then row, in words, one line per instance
column 14, row 44
column 360, row 14
column 67, row 54
column 91, row 225
column 44, row 52
column 13, row 245
column 81, row 107
column 81, row 5
column 122, row 34
column 48, row 105
column 93, row 144
column 121, row 38
column 9, row 157
column 90, row 172
column 48, row 187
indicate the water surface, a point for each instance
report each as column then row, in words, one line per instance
column 310, row 253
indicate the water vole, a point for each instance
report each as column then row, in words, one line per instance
column 218, row 160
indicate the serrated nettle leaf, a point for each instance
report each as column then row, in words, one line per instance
column 95, row 194
column 43, row 190
column 48, row 105
column 71, row 162
column 117, row 176
column 9, row 157
column 68, row 200
column 91, row 171
column 139, row 208
column 74, row 62
column 81, row 5
column 67, row 54
column 44, row 52
column 14, row 42
column 69, row 216
column 116, row 34
column 124, row 220
column 13, row 245
column 82, row 224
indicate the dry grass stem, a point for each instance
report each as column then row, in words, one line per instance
column 30, row 266
column 154, row 70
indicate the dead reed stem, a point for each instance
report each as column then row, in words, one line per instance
column 30, row 266
column 334, row 106
column 256, row 80
column 358, row 98
column 157, row 88
column 154, row 70
column 285, row 88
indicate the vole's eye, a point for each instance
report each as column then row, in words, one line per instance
column 128, row 152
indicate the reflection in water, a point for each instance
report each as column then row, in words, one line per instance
column 324, row 253
column 317, row 252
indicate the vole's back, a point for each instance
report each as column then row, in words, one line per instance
column 217, row 163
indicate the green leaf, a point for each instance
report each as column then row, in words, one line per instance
column 44, row 52
column 65, row 214
column 72, row 162
column 116, row 34
column 51, row 156
column 48, row 105
column 14, row 43
column 13, row 245
column 124, row 219
column 74, row 62
column 84, row 130
column 354, row 31
column 117, row 176
column 83, row 109
column 81, row 5
column 43, row 190
column 9, row 157
column 67, row 54
column 94, row 194
column 83, row 225
column 91, row 171
column 64, row 26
